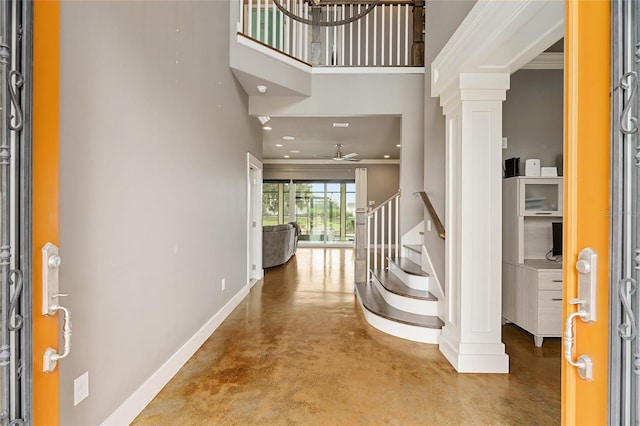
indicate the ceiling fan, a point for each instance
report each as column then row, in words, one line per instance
column 338, row 156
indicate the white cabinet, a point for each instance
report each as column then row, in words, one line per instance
column 538, row 196
column 532, row 298
column 531, row 284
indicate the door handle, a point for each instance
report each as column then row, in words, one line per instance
column 586, row 301
column 50, row 305
column 584, row 364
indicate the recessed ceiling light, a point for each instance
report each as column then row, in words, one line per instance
column 267, row 128
column 262, row 89
column 288, row 138
column 279, row 145
column 295, row 151
column 386, row 156
column 398, row 146
column 286, row 156
column 343, row 125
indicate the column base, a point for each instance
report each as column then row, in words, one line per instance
column 473, row 357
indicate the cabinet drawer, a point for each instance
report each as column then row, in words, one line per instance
column 550, row 312
column 550, row 280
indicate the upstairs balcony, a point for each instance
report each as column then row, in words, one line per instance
column 338, row 33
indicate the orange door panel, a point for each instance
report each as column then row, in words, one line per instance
column 46, row 60
column 587, row 197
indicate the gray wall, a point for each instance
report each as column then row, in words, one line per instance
column 532, row 117
column 442, row 19
column 383, row 180
column 154, row 136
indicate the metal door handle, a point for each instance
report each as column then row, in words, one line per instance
column 51, row 357
column 586, row 301
column 50, row 293
column 584, row 363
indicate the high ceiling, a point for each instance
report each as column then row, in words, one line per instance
column 371, row 137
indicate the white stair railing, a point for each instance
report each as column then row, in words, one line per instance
column 383, row 37
column 381, row 246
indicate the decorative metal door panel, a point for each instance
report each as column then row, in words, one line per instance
column 624, row 368
column 15, row 178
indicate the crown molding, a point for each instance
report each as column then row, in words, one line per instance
column 546, row 61
column 497, row 37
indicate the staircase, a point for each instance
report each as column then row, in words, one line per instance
column 397, row 299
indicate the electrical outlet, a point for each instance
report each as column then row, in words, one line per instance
column 428, row 225
column 80, row 388
column 504, row 143
column 223, row 285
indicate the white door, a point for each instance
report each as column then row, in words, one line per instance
column 254, row 219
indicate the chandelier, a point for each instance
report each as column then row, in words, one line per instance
column 318, row 20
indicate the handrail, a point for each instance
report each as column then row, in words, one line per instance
column 432, row 212
column 372, row 211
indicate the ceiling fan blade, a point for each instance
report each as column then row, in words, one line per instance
column 323, row 156
column 353, row 154
column 355, row 160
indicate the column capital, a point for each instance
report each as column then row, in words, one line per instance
column 475, row 87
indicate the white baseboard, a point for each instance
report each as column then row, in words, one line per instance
column 139, row 399
column 478, row 358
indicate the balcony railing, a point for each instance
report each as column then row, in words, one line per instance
column 385, row 36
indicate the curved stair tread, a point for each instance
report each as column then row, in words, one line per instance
column 395, row 285
column 375, row 303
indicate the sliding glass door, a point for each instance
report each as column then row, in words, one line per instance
column 324, row 210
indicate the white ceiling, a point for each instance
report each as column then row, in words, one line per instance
column 371, row 137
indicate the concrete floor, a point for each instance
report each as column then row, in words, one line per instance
column 297, row 351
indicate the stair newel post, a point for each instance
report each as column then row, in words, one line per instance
column 368, row 243
column 375, row 240
column 382, row 242
column 389, row 240
column 397, row 227
column 417, row 49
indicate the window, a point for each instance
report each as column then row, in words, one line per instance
column 325, row 211
column 275, row 203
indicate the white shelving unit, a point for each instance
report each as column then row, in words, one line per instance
column 531, row 284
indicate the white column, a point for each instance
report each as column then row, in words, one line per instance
column 472, row 336
column 362, row 228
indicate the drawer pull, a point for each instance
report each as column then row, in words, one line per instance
column 556, row 281
column 557, row 299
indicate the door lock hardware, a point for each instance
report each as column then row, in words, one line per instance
column 586, row 303
column 51, row 262
column 587, row 266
